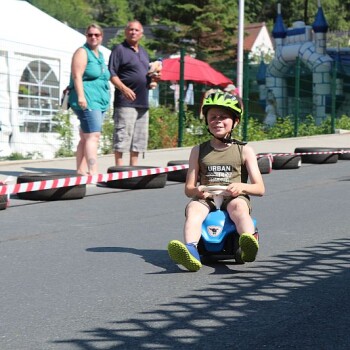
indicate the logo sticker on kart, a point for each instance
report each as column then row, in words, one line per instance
column 214, row 230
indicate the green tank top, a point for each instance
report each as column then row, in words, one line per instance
column 221, row 167
column 95, row 82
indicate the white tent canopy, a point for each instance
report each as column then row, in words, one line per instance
column 30, row 37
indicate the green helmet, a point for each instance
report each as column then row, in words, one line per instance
column 223, row 99
column 226, row 100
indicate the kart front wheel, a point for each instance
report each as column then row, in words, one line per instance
column 237, row 250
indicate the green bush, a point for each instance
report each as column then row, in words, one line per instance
column 65, row 130
column 164, row 126
column 195, row 131
column 255, row 130
column 343, row 123
column 106, row 140
column 164, row 129
column 284, row 128
column 16, row 156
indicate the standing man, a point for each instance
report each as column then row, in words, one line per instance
column 128, row 65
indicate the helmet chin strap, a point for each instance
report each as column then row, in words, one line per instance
column 227, row 139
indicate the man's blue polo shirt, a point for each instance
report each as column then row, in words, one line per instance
column 131, row 67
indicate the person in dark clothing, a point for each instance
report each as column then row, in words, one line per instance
column 128, row 66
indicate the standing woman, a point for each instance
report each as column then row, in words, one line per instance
column 89, row 97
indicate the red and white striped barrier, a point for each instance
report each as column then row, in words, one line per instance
column 301, row 153
column 7, row 189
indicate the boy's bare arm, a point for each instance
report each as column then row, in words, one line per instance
column 256, row 186
column 191, row 188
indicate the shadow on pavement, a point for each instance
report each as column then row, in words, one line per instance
column 296, row 300
column 158, row 258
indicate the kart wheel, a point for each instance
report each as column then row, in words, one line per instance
column 265, row 164
column 53, row 194
column 136, row 183
column 322, row 158
column 201, row 247
column 237, row 250
column 178, row 175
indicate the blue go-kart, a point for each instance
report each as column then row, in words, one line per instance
column 219, row 238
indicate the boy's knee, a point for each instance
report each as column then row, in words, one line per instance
column 238, row 206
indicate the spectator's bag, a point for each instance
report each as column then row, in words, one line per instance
column 64, row 99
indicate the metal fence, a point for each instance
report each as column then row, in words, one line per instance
column 300, row 92
column 298, row 85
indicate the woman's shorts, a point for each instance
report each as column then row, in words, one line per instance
column 90, row 120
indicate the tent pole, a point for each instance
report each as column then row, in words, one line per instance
column 181, row 97
column 240, row 47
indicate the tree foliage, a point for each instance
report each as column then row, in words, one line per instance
column 77, row 13
column 207, row 27
column 111, row 13
column 214, row 29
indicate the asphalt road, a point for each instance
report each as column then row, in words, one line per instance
column 94, row 273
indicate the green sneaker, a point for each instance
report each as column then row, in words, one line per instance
column 185, row 255
column 249, row 247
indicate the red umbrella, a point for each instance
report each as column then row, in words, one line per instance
column 194, row 70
